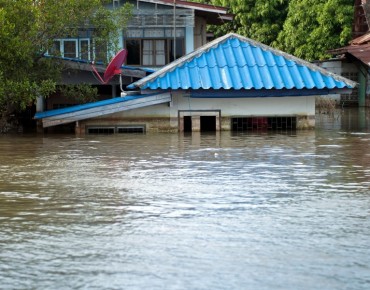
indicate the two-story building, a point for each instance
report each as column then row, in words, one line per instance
column 353, row 60
column 159, row 32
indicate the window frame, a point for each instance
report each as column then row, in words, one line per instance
column 167, row 50
column 78, row 47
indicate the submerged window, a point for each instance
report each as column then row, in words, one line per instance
column 100, row 130
column 264, row 123
column 133, row 129
column 121, row 129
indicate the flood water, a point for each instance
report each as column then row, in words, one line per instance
column 199, row 211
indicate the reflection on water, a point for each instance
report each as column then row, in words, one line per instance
column 199, row 211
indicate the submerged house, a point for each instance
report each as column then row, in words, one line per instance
column 231, row 83
column 353, row 60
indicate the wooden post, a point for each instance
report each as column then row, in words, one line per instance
column 362, row 86
column 40, row 106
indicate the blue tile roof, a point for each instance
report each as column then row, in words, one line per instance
column 77, row 108
column 237, row 62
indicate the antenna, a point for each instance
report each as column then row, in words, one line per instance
column 113, row 68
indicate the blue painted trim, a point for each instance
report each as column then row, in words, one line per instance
column 257, row 93
column 50, row 113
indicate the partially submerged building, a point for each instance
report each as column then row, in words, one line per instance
column 353, row 60
column 232, row 83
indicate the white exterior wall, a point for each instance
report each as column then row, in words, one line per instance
column 168, row 116
column 271, row 106
column 338, row 66
column 344, row 68
column 334, row 66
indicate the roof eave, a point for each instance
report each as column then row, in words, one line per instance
column 192, row 5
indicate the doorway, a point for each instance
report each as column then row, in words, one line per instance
column 187, row 124
column 207, row 123
column 199, row 121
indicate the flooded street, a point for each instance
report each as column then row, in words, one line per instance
column 199, row 211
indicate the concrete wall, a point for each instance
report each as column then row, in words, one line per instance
column 200, row 32
column 169, row 117
column 274, row 106
column 347, row 69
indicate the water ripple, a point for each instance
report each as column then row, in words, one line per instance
column 185, row 212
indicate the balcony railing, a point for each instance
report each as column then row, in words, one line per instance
column 162, row 18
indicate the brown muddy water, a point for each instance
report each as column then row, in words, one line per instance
column 288, row 210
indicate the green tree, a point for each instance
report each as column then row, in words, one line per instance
column 28, row 28
column 314, row 26
column 304, row 28
column 260, row 20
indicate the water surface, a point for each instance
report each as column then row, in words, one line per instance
column 288, row 210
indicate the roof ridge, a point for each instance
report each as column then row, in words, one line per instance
column 177, row 64
column 302, row 62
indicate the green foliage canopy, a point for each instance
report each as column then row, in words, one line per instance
column 28, row 28
column 314, row 26
column 257, row 19
column 304, row 28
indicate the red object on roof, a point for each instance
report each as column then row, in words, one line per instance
column 113, row 68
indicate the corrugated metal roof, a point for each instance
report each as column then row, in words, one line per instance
column 361, row 52
column 361, row 39
column 237, row 62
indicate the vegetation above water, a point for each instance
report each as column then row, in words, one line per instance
column 28, row 28
column 304, row 28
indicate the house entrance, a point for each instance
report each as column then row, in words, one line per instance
column 187, row 123
column 207, row 123
column 199, row 121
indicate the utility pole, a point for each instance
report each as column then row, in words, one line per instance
column 174, row 29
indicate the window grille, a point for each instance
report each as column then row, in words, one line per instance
column 264, row 123
column 162, row 18
column 351, row 98
column 131, row 129
column 100, row 130
column 121, row 129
